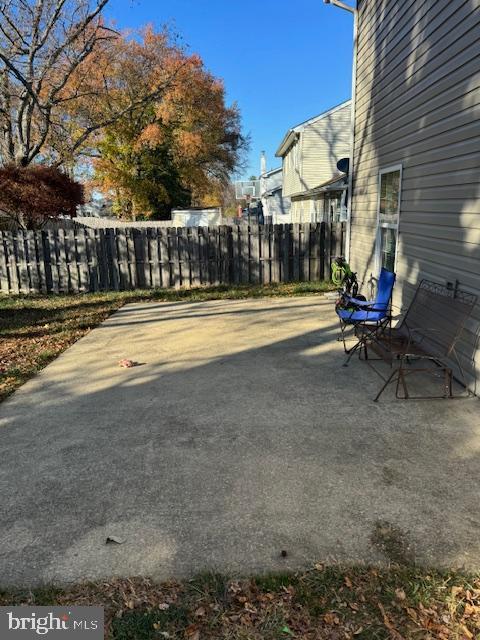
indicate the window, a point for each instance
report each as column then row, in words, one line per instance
column 388, row 213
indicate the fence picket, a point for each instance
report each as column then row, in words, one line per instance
column 4, row 279
column 21, row 261
column 164, row 258
column 254, row 254
column 32, row 261
column 286, row 244
column 62, row 261
column 86, row 260
column 194, row 255
column 71, row 259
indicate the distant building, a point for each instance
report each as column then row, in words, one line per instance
column 310, row 153
column 276, row 208
column 197, row 217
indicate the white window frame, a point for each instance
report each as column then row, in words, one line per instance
column 387, row 225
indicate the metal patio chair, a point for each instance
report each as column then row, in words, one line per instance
column 427, row 335
column 366, row 317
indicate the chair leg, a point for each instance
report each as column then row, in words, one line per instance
column 448, row 383
column 342, row 335
column 387, row 382
column 401, row 379
column 350, row 354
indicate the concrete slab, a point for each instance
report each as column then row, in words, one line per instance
column 239, row 435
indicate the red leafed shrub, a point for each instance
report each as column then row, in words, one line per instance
column 31, row 195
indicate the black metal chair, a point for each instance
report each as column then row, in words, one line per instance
column 428, row 333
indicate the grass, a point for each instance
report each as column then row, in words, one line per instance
column 325, row 602
column 36, row 329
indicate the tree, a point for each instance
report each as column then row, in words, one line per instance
column 58, row 80
column 143, row 179
column 181, row 148
column 31, row 195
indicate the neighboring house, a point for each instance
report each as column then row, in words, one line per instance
column 276, row 207
column 310, row 152
column 98, row 207
column 416, row 160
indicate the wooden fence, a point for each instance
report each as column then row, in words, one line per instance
column 78, row 260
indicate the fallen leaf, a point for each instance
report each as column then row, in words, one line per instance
column 114, row 540
column 192, row 632
column 400, row 595
column 348, row 582
column 163, row 606
column 126, row 363
column 395, row 634
column 331, row 619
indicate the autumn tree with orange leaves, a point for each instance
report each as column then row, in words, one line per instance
column 177, row 150
column 60, row 78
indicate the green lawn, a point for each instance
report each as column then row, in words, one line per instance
column 325, row 602
column 35, row 329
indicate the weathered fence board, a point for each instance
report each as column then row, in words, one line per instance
column 78, row 260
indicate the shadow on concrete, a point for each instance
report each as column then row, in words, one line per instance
column 241, row 435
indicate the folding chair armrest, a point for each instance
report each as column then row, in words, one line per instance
column 361, row 303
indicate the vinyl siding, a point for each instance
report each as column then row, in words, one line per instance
column 307, row 209
column 418, row 104
column 291, row 173
column 321, row 144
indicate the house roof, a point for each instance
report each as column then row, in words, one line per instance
column 270, row 173
column 336, row 183
column 293, row 133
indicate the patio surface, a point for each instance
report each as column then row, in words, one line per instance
column 238, row 436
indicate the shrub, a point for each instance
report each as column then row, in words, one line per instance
column 31, row 195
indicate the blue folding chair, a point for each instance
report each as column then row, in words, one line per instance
column 367, row 317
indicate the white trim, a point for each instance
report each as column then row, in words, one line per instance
column 388, row 225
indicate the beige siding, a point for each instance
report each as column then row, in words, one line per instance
column 321, row 143
column 291, row 171
column 308, row 209
column 418, row 105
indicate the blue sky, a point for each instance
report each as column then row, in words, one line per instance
column 282, row 61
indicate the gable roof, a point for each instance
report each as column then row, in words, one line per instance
column 271, row 172
column 293, row 133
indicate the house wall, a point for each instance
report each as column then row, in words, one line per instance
column 307, row 209
column 418, row 105
column 323, row 144
column 278, row 207
column 291, row 165
column 312, row 159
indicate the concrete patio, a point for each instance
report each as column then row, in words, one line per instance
column 237, row 436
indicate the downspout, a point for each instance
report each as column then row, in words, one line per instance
column 354, row 12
